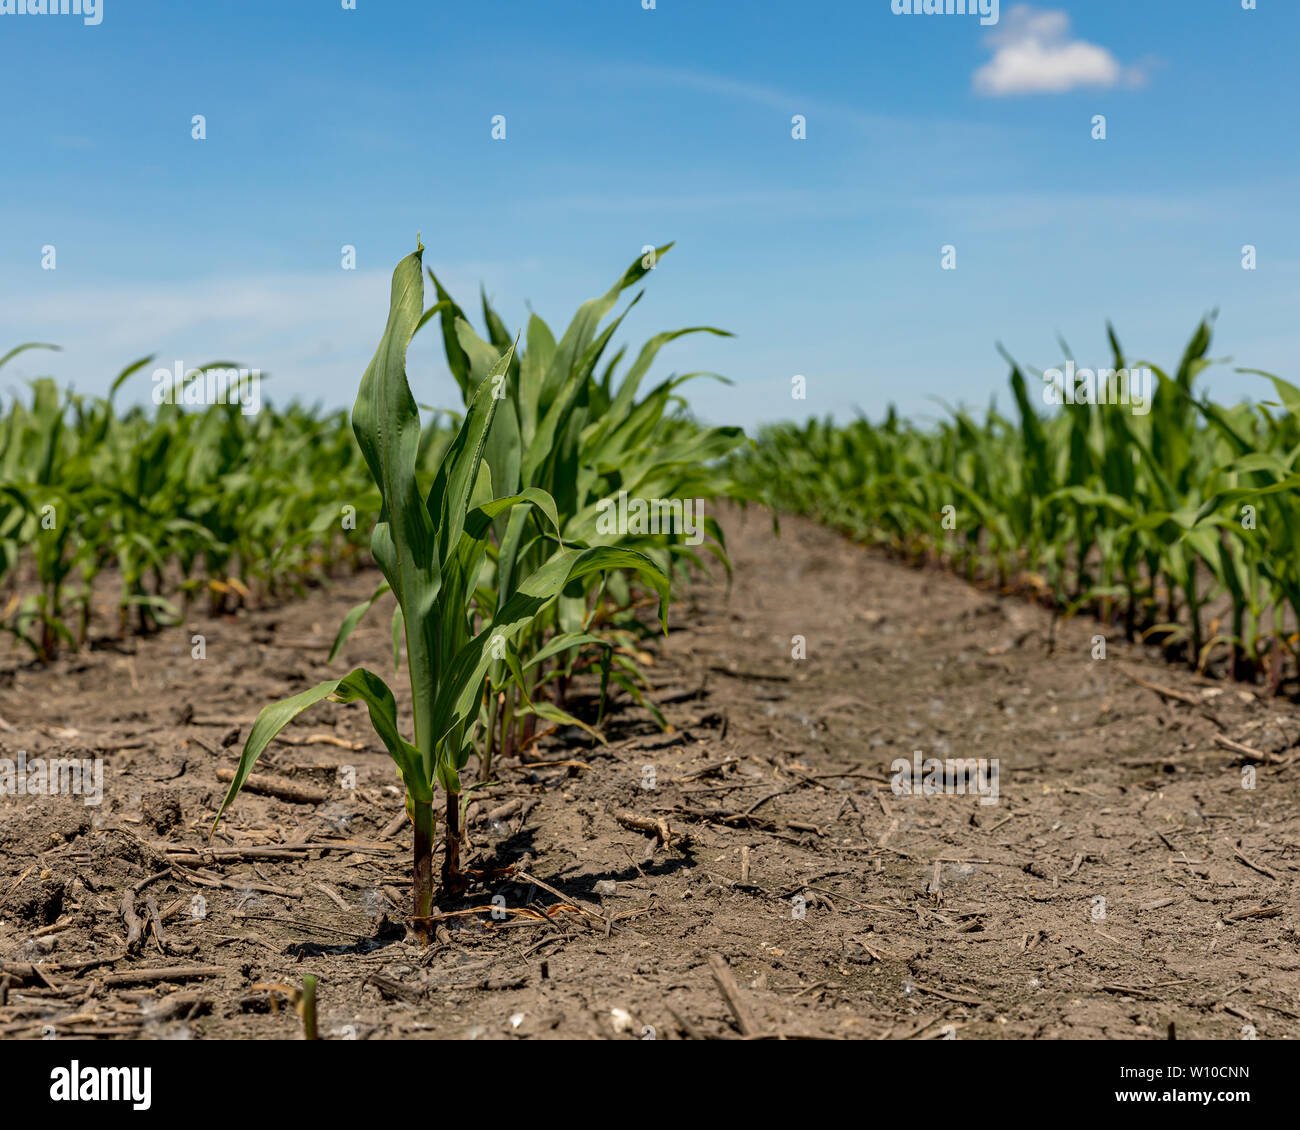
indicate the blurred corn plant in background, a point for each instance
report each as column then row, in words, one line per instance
column 1180, row 524
column 173, row 503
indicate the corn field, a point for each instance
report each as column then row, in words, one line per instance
column 775, row 568
column 526, row 607
column 1178, row 524
column 175, row 505
column 489, row 533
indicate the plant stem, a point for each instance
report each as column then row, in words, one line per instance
column 494, row 703
column 451, row 859
column 309, row 1007
column 423, row 869
column 508, row 726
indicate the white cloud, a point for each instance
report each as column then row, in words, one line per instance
column 1033, row 53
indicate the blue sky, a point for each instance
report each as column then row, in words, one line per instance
column 625, row 127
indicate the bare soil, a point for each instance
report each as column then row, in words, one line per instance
column 839, row 908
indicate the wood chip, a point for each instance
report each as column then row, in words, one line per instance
column 277, row 787
column 1248, row 751
column 726, row 982
column 176, row 973
column 134, row 924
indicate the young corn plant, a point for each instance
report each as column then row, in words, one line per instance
column 45, row 480
column 431, row 549
column 565, row 427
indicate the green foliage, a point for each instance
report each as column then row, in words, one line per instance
column 176, row 504
column 488, row 532
column 500, row 566
column 1152, row 517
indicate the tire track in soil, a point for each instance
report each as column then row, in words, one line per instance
column 842, row 909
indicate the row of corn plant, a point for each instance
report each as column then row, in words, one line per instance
column 502, row 573
column 1180, row 523
column 175, row 504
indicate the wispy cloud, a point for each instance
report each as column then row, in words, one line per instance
column 759, row 94
column 1034, row 53
column 1108, row 209
column 880, row 127
column 738, row 89
column 313, row 333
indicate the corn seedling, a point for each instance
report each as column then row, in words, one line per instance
column 432, row 548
